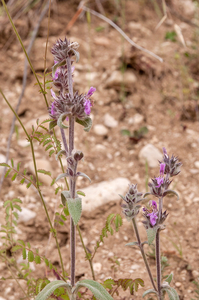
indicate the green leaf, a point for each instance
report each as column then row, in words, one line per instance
column 151, row 291
column 87, row 123
column 108, row 283
column 28, row 185
column 172, row 294
column 125, row 132
column 14, row 176
column 4, row 165
column 62, row 117
column 75, row 208
column 132, row 244
column 30, row 256
column 24, row 253
column 63, row 175
column 48, row 147
column 15, row 248
column 83, row 175
column 17, row 207
column 60, row 153
column 8, row 172
column 22, row 180
column 151, row 233
column 96, row 288
column 81, row 193
column 51, row 287
column 169, row 278
column 12, row 162
column 52, row 124
column 21, row 242
column 46, row 262
column 46, row 121
column 169, row 192
column 51, row 152
column 37, row 259
column 44, row 172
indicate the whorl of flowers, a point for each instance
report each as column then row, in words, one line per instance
column 60, row 79
column 151, row 216
column 79, row 106
column 63, row 49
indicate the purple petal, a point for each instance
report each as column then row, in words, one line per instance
column 160, row 181
column 53, row 94
column 162, row 168
column 154, row 204
column 153, row 218
column 87, row 105
column 52, row 110
column 90, row 92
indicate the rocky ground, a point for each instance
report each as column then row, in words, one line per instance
column 163, row 97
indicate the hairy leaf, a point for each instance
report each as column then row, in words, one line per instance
column 151, row 234
column 51, row 287
column 150, row 291
column 75, row 208
column 96, row 288
column 87, row 123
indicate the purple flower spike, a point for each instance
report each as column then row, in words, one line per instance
column 90, row 92
column 56, row 74
column 153, row 217
column 87, row 105
column 162, row 168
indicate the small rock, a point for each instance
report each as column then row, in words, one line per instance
column 138, row 26
column 1, row 298
column 100, row 148
column 196, row 199
column 23, row 143
column 26, row 215
column 135, row 267
column 196, row 164
column 44, row 165
column 117, row 78
column 103, row 193
column 178, row 284
column 97, row 267
column 136, row 119
column 188, row 7
column 195, row 273
column 102, row 41
column 150, row 154
column 109, row 121
column 100, row 129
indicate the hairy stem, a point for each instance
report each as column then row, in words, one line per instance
column 140, row 245
column 87, row 253
column 158, row 264
column 64, row 140
column 72, row 181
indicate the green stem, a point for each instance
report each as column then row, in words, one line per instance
column 140, row 245
column 158, row 264
column 37, row 180
column 19, row 285
column 19, row 38
column 86, row 252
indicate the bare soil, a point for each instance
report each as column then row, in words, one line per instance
column 165, row 94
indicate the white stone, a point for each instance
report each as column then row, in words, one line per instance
column 1, row 298
column 26, row 215
column 136, row 119
column 196, row 164
column 138, row 26
column 150, row 154
column 178, row 284
column 102, row 41
column 44, row 165
column 117, row 78
column 100, row 129
column 23, row 143
column 195, row 273
column 109, row 121
column 97, row 267
column 101, row 193
column 100, row 148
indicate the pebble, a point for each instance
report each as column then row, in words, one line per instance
column 150, row 154
column 136, row 119
column 104, row 192
column 100, row 129
column 26, row 215
column 44, row 165
column 178, row 284
column 117, row 78
column 196, row 164
column 23, row 143
column 97, row 267
column 1, row 298
column 195, row 274
column 109, row 121
column 138, row 26
column 100, row 148
column 102, row 41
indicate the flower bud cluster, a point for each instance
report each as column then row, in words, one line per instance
column 172, row 166
column 158, row 186
column 63, row 49
column 132, row 198
column 72, row 161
